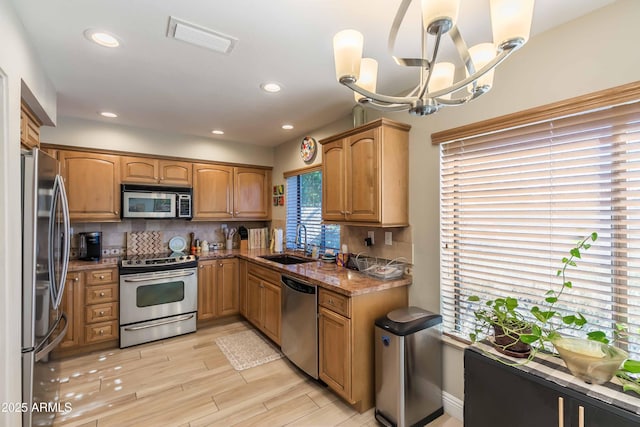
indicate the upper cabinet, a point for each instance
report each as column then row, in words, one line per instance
column 226, row 192
column 365, row 175
column 148, row 170
column 251, row 193
column 29, row 128
column 92, row 181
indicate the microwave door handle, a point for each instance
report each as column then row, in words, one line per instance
column 66, row 222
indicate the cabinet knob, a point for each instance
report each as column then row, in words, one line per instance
column 220, row 265
column 237, row 212
column 102, row 313
column 101, row 294
column 101, row 332
column 77, row 279
column 102, row 277
column 117, row 213
column 202, row 266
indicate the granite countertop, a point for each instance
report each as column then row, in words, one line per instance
column 326, row 275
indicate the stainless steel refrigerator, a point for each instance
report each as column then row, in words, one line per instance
column 45, row 259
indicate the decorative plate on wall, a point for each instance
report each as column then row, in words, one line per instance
column 308, row 148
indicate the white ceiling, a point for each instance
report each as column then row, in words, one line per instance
column 155, row 82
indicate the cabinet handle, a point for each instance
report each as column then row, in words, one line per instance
column 101, row 277
column 102, row 313
column 580, row 416
column 77, row 279
column 560, row 412
column 202, row 266
column 101, row 294
column 117, row 213
column 101, row 332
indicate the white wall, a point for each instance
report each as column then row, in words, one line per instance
column 594, row 52
column 111, row 136
column 18, row 67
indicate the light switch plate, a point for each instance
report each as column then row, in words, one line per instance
column 388, row 238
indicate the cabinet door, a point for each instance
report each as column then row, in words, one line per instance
column 272, row 310
column 29, row 129
column 333, row 181
column 498, row 396
column 363, row 177
column 227, row 287
column 212, row 191
column 582, row 414
column 254, row 300
column 242, row 281
column 93, row 185
column 139, row 169
column 172, row 172
column 251, row 193
column 207, row 289
column 72, row 304
column 334, row 340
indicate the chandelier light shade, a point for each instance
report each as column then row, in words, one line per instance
column 511, row 25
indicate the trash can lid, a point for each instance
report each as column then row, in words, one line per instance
column 408, row 320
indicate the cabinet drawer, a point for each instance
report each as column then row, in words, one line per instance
column 101, row 312
column 101, row 294
column 101, row 332
column 340, row 304
column 101, row 276
column 264, row 273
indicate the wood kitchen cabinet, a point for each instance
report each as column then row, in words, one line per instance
column 346, row 341
column 91, row 303
column 92, row 181
column 29, row 128
column 147, row 170
column 365, row 175
column 218, row 288
column 242, row 269
column 264, row 300
column 504, row 396
column 226, row 192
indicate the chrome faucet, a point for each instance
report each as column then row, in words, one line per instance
column 304, row 228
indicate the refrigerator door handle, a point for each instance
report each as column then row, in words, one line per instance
column 59, row 194
column 40, row 353
column 67, row 240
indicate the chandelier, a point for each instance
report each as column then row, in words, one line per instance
column 511, row 24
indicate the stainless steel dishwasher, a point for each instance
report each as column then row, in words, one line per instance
column 299, row 340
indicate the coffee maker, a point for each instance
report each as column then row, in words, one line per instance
column 90, row 245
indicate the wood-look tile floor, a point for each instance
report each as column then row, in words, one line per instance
column 187, row 381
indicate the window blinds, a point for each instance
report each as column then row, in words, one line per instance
column 515, row 202
column 304, row 206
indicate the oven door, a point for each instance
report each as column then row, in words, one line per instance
column 148, row 205
column 147, row 296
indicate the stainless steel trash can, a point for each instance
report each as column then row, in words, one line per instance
column 408, row 363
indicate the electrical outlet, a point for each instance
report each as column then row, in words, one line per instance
column 388, row 238
column 371, row 235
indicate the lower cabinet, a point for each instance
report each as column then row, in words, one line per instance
column 91, row 304
column 218, row 288
column 346, row 341
column 263, row 300
column 503, row 396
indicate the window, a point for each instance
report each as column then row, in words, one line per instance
column 304, row 206
column 513, row 202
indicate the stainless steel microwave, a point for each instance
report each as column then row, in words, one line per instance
column 153, row 202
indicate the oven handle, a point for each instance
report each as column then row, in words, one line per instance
column 168, row 276
column 163, row 322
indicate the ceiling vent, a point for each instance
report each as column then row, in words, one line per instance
column 200, row 36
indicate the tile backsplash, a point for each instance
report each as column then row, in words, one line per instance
column 114, row 234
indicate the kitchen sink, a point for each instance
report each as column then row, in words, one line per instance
column 286, row 259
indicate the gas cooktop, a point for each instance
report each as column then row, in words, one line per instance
column 170, row 260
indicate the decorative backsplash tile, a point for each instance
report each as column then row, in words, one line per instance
column 145, row 242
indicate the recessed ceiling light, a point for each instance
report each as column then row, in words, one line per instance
column 102, row 38
column 287, row 127
column 271, row 87
column 217, row 132
column 108, row 114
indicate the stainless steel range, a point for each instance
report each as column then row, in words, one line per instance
column 158, row 297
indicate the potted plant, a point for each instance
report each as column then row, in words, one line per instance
column 501, row 316
column 592, row 358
